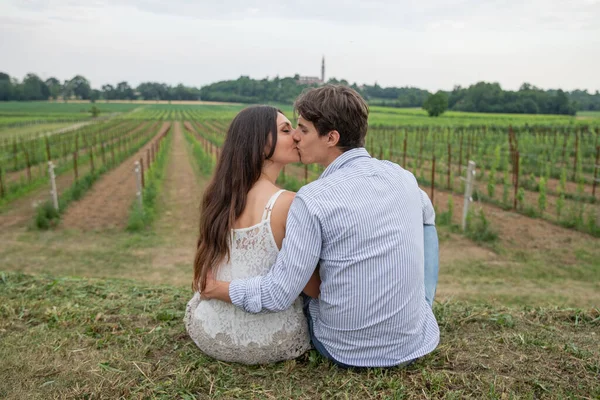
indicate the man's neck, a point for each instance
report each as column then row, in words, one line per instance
column 331, row 157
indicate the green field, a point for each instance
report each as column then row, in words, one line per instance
column 418, row 117
column 30, row 112
column 16, row 114
column 34, row 129
column 588, row 114
column 92, row 297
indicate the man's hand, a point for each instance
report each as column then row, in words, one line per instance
column 214, row 289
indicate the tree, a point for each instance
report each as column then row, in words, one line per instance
column 436, row 104
column 80, row 87
column 480, row 97
column 34, row 88
column 150, row 91
column 67, row 90
column 95, row 111
column 54, row 86
column 530, row 106
column 124, row 91
column 562, row 104
column 108, row 92
column 95, row 95
column 6, row 89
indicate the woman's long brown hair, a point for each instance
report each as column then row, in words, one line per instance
column 237, row 170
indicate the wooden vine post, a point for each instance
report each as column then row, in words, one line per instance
column 432, row 178
column 75, row 165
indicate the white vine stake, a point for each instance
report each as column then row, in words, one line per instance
column 53, row 192
column 468, row 192
column 138, row 182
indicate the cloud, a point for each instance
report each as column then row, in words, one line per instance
column 418, row 15
column 428, row 43
column 20, row 21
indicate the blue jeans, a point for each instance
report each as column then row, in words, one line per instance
column 432, row 259
column 315, row 342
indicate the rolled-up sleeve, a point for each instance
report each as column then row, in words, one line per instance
column 427, row 207
column 428, row 210
column 297, row 260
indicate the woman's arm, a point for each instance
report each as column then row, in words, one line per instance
column 313, row 287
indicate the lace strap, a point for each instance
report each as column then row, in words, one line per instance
column 271, row 204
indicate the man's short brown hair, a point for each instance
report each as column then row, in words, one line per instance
column 336, row 107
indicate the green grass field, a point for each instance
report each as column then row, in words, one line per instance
column 588, row 114
column 34, row 129
column 96, row 312
column 12, row 113
column 15, row 114
column 122, row 336
column 74, row 108
column 417, row 116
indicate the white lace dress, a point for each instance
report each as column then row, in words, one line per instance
column 228, row 333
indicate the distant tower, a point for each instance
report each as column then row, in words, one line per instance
column 323, row 70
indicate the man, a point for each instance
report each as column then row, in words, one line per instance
column 363, row 222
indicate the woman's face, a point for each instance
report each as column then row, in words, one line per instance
column 286, row 151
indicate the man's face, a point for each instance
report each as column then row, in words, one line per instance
column 312, row 148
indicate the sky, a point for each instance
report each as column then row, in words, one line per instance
column 430, row 44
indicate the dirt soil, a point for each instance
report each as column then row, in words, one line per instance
column 179, row 202
column 519, row 232
column 20, row 212
column 108, row 203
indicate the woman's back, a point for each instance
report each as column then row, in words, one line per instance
column 227, row 333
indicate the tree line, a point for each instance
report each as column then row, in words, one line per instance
column 34, row 88
column 479, row 97
column 489, row 97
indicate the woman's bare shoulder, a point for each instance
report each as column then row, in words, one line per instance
column 284, row 202
column 280, row 211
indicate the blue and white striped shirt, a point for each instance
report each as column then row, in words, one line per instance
column 362, row 220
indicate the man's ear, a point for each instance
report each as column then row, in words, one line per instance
column 333, row 137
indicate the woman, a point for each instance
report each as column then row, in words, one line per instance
column 242, row 227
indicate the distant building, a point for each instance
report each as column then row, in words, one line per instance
column 309, row 80
column 313, row 80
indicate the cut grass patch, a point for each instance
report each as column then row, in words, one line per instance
column 91, row 338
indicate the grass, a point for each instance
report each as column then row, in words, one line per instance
column 94, row 338
column 141, row 217
column 33, row 129
column 479, row 228
column 46, row 220
column 416, row 116
column 588, row 114
column 21, row 188
column 15, row 114
column 519, row 325
column 203, row 162
column 99, row 315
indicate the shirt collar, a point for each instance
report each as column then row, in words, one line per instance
column 344, row 158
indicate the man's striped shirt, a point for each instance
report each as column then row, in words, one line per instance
column 362, row 221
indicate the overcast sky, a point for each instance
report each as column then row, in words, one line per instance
column 431, row 44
